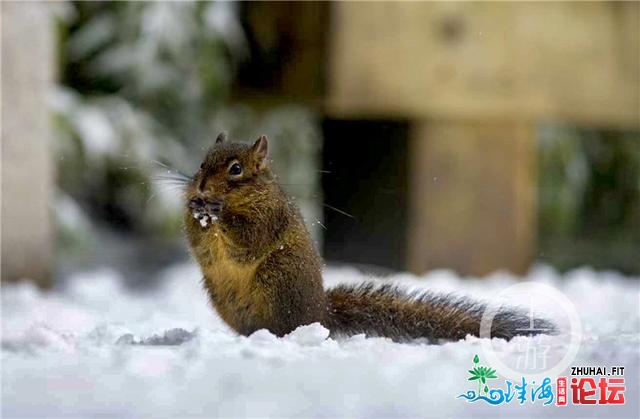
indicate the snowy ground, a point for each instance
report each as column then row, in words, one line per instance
column 94, row 349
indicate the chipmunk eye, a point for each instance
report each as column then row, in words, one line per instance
column 235, row 169
column 202, row 166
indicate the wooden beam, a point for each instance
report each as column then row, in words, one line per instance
column 575, row 62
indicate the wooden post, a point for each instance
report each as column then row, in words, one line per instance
column 27, row 81
column 472, row 193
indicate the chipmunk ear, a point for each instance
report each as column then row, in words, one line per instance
column 222, row 137
column 260, row 149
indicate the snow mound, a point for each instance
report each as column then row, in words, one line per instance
column 95, row 348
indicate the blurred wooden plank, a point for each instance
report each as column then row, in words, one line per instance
column 27, row 178
column 569, row 61
column 472, row 197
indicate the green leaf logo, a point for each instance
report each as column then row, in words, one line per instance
column 481, row 374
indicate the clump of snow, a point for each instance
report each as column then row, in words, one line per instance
column 309, row 335
column 94, row 348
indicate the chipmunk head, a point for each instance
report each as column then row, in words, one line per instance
column 232, row 178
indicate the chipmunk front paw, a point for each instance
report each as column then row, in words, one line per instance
column 204, row 211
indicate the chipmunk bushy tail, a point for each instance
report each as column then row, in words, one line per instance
column 388, row 311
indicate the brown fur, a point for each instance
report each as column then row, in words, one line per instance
column 259, row 265
column 261, row 270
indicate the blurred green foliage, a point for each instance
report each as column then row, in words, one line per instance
column 140, row 84
column 145, row 87
column 589, row 198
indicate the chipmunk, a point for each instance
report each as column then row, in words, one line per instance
column 261, row 270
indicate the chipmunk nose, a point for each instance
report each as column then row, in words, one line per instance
column 196, row 203
column 214, row 206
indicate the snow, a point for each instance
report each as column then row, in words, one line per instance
column 96, row 130
column 204, row 217
column 95, row 348
column 69, row 215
